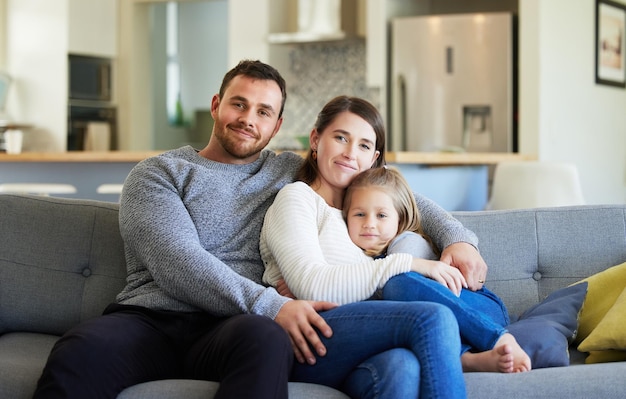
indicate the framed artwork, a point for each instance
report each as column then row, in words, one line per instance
column 610, row 42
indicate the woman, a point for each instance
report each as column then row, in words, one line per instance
column 349, row 138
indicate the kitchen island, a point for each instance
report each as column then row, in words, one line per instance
column 458, row 181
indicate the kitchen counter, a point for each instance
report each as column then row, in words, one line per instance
column 423, row 158
column 454, row 158
column 457, row 181
column 79, row 156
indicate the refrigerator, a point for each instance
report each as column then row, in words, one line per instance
column 452, row 83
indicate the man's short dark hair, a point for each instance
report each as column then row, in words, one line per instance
column 256, row 70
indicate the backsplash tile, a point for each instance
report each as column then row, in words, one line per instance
column 316, row 73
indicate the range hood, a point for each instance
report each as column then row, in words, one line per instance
column 318, row 21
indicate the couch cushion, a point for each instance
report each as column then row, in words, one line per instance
column 605, row 381
column 610, row 333
column 22, row 358
column 546, row 330
column 602, row 318
column 61, row 262
column 193, row 389
column 604, row 290
column 606, row 356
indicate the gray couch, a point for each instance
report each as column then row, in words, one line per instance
column 62, row 262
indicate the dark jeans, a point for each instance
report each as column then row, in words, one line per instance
column 129, row 345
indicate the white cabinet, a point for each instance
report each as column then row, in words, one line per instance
column 93, row 27
column 248, row 27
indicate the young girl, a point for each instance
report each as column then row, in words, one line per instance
column 383, row 219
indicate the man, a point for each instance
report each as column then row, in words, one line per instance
column 194, row 306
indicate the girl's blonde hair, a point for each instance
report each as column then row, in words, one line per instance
column 391, row 181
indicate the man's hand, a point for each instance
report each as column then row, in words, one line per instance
column 299, row 319
column 281, row 287
column 443, row 273
column 467, row 259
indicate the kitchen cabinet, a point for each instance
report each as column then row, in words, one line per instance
column 308, row 21
column 93, row 27
column 248, row 40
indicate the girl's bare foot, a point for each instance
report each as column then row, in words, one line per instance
column 505, row 357
column 498, row 359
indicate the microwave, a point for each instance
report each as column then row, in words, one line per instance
column 89, row 78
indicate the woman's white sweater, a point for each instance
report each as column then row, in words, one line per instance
column 306, row 242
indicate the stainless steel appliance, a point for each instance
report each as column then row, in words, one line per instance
column 81, row 117
column 90, row 104
column 453, row 83
column 90, row 78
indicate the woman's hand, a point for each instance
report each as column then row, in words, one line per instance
column 443, row 273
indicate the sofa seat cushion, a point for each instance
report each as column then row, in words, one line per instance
column 22, row 358
column 603, row 381
column 193, row 389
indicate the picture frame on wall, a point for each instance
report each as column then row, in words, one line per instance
column 610, row 43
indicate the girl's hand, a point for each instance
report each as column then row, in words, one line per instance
column 443, row 273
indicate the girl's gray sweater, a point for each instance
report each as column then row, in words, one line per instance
column 191, row 230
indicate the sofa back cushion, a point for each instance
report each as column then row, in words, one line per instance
column 533, row 252
column 61, row 262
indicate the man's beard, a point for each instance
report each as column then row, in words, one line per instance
column 240, row 149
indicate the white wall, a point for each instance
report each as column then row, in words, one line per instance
column 37, row 61
column 564, row 114
column 34, row 47
column 3, row 33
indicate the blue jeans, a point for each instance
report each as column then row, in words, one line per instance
column 373, row 340
column 482, row 316
column 378, row 376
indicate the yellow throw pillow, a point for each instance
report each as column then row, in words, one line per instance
column 610, row 333
column 604, row 289
column 605, row 356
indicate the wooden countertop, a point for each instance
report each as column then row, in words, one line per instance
column 455, row 158
column 427, row 158
column 79, row 156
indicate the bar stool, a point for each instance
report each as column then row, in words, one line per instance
column 44, row 189
column 115, row 189
column 533, row 184
column 110, row 189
